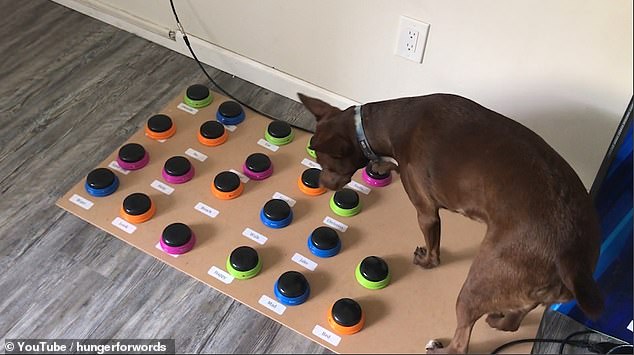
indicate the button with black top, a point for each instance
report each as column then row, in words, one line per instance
column 324, row 242
column 101, row 182
column 178, row 170
column 345, row 202
column 137, row 208
column 132, row 156
column 197, row 96
column 276, row 213
column 373, row 273
column 309, row 148
column 160, row 127
column 177, row 238
column 279, row 133
column 230, row 113
column 257, row 166
column 308, row 182
column 375, row 179
column 227, row 186
column 346, row 316
column 292, row 288
column 212, row 133
column 244, row 263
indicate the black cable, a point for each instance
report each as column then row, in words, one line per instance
column 621, row 347
column 569, row 337
column 540, row 340
column 180, row 27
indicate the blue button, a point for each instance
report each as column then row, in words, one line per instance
column 108, row 190
column 291, row 301
column 276, row 224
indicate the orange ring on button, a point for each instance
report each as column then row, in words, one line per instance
column 309, row 190
column 160, row 135
column 213, row 142
column 227, row 195
column 138, row 218
column 346, row 330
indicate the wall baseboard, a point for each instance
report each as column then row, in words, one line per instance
column 208, row 53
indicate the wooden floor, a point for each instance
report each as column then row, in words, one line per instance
column 72, row 89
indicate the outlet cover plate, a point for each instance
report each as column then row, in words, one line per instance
column 412, row 39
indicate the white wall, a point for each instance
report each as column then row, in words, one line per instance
column 561, row 67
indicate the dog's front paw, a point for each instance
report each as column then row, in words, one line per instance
column 424, row 259
column 435, row 347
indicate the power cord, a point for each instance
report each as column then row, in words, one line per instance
column 604, row 347
column 182, row 30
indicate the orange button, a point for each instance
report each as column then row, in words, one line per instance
column 227, row 195
column 213, row 142
column 309, row 190
column 138, row 218
column 345, row 330
column 160, row 135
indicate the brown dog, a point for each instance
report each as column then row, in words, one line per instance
column 543, row 236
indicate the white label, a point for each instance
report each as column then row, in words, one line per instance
column 196, row 154
column 220, row 274
column 124, row 225
column 115, row 166
column 162, row 187
column 158, row 246
column 281, row 196
column 254, row 236
column 272, row 304
column 325, row 334
column 630, row 326
column 267, row 145
column 335, row 224
column 230, row 127
column 81, row 202
column 361, row 188
column 311, row 164
column 304, row 261
column 187, row 109
column 242, row 177
column 204, row 209
column 161, row 140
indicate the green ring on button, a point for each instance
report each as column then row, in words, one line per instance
column 278, row 141
column 371, row 285
column 198, row 103
column 243, row 275
column 342, row 211
column 311, row 152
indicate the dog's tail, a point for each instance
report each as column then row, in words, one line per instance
column 578, row 279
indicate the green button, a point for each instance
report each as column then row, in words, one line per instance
column 278, row 141
column 311, row 152
column 371, row 285
column 342, row 211
column 198, row 103
column 243, row 275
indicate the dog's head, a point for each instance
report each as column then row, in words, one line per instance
column 335, row 143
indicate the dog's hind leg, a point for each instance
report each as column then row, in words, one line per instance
column 429, row 222
column 508, row 321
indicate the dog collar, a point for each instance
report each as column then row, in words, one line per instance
column 363, row 140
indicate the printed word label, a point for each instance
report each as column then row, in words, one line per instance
column 311, row 164
column 183, row 106
column 230, row 127
column 115, row 166
column 304, row 261
column 272, row 304
column 281, row 196
column 81, row 202
column 254, row 236
column 327, row 335
column 158, row 246
column 196, row 154
column 123, row 225
column 242, row 177
column 204, row 209
column 329, row 221
column 162, row 187
column 220, row 274
column 361, row 188
column 272, row 147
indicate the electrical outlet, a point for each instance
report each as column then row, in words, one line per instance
column 412, row 38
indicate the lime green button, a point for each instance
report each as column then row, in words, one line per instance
column 311, row 152
column 371, row 285
column 198, row 103
column 344, row 212
column 278, row 141
column 243, row 275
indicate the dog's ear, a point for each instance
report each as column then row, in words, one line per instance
column 315, row 106
column 333, row 145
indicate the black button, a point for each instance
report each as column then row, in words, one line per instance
column 159, row 123
column 197, row 92
column 375, row 175
column 227, row 181
column 230, row 109
column 137, row 204
column 131, row 153
column 277, row 210
column 346, row 199
column 100, row 178
column 244, row 258
column 279, row 129
column 374, row 269
column 176, row 234
column 346, row 312
column 258, row 162
column 324, row 238
column 212, row 129
column 310, row 177
column 292, row 284
column 177, row 166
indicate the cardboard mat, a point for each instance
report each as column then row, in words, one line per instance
column 416, row 306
